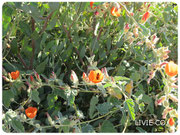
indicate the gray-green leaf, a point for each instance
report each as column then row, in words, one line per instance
column 17, row 125
column 94, row 101
column 104, row 108
column 35, row 96
column 107, row 127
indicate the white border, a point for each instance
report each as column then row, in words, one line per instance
column 3, row 1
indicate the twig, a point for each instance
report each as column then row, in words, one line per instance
column 128, row 13
column 89, row 121
column 67, row 33
column 100, row 31
column 126, row 124
column 9, row 63
column 22, row 61
column 120, row 63
column 70, row 39
column 46, row 22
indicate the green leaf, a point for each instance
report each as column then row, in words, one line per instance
column 146, row 99
column 70, row 96
column 107, row 85
column 104, row 108
column 121, row 70
column 100, row 87
column 121, row 78
column 129, row 105
column 14, row 46
column 51, row 99
column 8, row 96
column 108, row 44
column 88, row 129
column 66, row 128
column 52, row 24
column 50, row 45
column 135, row 76
column 44, row 37
column 141, row 107
column 60, row 93
column 107, row 127
column 124, row 117
column 83, row 51
column 146, row 32
column 141, row 130
column 41, row 67
column 166, row 16
column 93, row 102
column 17, row 125
column 25, row 28
column 53, row 5
column 35, row 96
column 151, row 107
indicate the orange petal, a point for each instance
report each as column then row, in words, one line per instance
column 171, row 69
column 145, row 16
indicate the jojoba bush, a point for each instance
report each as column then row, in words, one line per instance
column 96, row 67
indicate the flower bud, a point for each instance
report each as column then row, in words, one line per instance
column 173, row 98
column 166, row 103
column 104, row 71
column 165, row 112
column 37, row 125
column 96, row 13
column 149, row 44
column 145, row 17
column 37, row 75
column 160, row 101
column 23, row 117
column 126, row 28
column 74, row 77
column 135, row 31
column 154, row 39
column 151, row 75
column 140, row 43
column 49, row 119
column 132, row 14
column 6, row 79
column 31, row 78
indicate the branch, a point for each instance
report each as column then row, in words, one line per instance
column 46, row 22
column 67, row 33
column 70, row 39
column 100, row 31
column 128, row 13
column 76, row 17
column 22, row 61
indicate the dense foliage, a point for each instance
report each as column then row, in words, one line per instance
column 89, row 67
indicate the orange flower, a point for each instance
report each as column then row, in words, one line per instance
column 95, row 76
column 145, row 17
column 171, row 121
column 171, row 69
column 91, row 4
column 31, row 112
column 115, row 11
column 15, row 75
